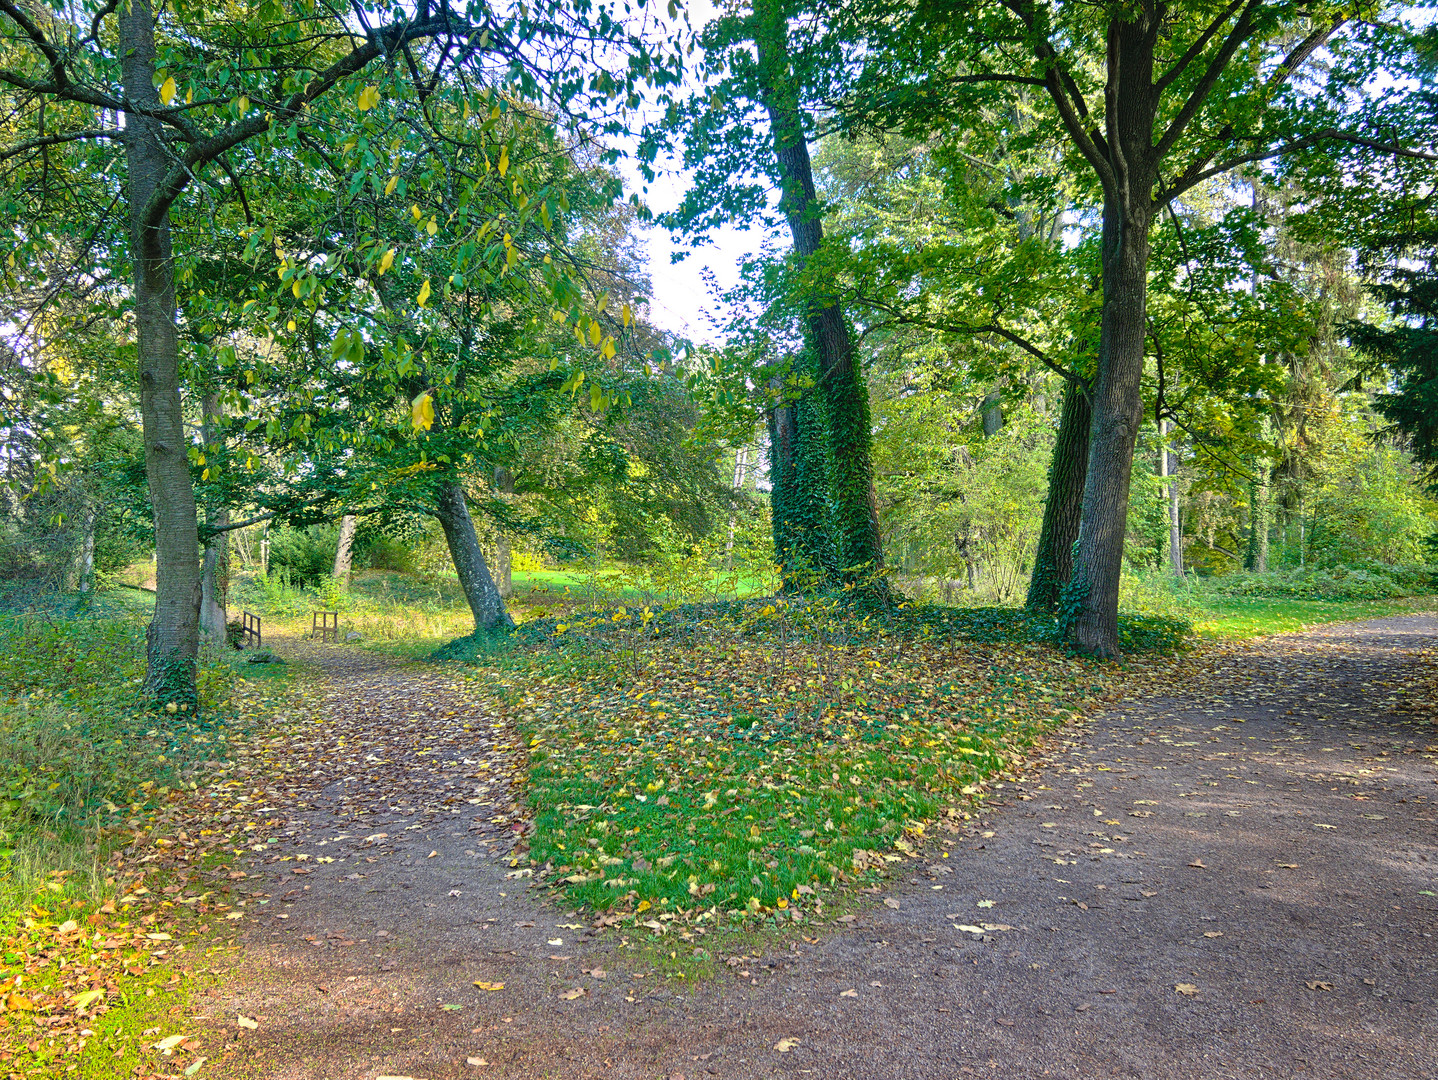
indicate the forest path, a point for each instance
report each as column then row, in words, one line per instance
column 1264, row 841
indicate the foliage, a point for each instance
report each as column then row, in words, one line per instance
column 1370, row 581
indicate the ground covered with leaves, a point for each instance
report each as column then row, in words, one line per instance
column 730, row 763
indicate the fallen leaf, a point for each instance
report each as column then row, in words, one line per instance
column 195, row 1066
column 1198, row 863
column 246, row 1022
column 850, row 993
column 1319, row 825
column 968, row 929
column 169, row 1042
column 890, row 902
column 987, row 903
column 1006, row 1023
column 88, row 998
column 1288, row 866
column 1213, row 933
column 19, row 1003
column 570, row 995
column 785, row 1045
column 475, row 1061
column 489, row 985
column 1186, row 989
column 1319, row 985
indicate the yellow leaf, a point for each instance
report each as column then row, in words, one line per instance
column 290, row 325
column 488, row 985
column 168, row 90
column 386, row 262
column 246, row 1022
column 431, row 228
column 244, row 104
column 195, row 1066
column 393, row 183
column 608, row 348
column 627, row 314
column 602, row 303
column 422, row 412
column 424, row 291
column 19, row 1003
column 169, row 1042
column 595, row 333
column 415, row 211
column 368, row 98
column 503, row 160
column 785, row 1045
column 88, row 998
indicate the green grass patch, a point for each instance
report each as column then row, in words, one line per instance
column 1254, row 617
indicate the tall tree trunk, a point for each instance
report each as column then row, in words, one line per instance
column 503, row 562
column 174, row 633
column 1117, row 403
column 855, row 512
column 1053, row 562
column 485, row 602
column 344, row 549
column 992, row 411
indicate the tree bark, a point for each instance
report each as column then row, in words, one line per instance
column 214, row 574
column 1175, row 516
column 174, row 631
column 485, row 602
column 86, row 573
column 741, row 457
column 1117, row 414
column 856, row 517
column 1053, row 561
column 503, row 562
column 344, row 549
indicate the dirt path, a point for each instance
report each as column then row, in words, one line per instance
column 1266, row 842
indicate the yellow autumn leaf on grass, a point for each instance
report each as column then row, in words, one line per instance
column 393, row 183
column 424, row 291
column 386, row 261
column 422, row 412
column 368, row 98
column 168, row 90
column 488, row 985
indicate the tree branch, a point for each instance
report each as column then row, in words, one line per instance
column 1189, row 182
column 1242, row 30
column 1181, row 64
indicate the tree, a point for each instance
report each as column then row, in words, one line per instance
column 1188, row 94
column 194, row 92
column 750, row 126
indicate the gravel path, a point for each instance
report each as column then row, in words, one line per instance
column 1236, row 882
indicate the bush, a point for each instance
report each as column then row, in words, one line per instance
column 304, row 556
column 1372, row 581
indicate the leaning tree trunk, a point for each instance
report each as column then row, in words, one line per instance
column 344, row 549
column 484, row 600
column 1053, row 562
column 1089, row 607
column 174, row 633
column 855, row 510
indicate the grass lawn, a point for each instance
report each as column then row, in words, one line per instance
column 1252, row 617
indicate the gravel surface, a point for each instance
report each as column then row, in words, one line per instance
column 1234, row 881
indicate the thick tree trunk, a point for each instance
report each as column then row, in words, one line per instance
column 855, row 514
column 174, row 632
column 344, row 549
column 484, row 600
column 503, row 562
column 1259, row 513
column 1092, row 624
column 992, row 411
column 1053, row 562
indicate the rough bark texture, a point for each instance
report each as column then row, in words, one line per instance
column 503, row 560
column 86, row 570
column 484, row 600
column 1259, row 514
column 1053, row 562
column 344, row 549
column 1175, row 515
column 992, row 411
column 855, row 510
column 174, row 632
column 741, row 459
column 1089, row 608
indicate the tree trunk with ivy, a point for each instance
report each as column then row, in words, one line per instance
column 1053, row 561
column 855, row 518
column 799, row 510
